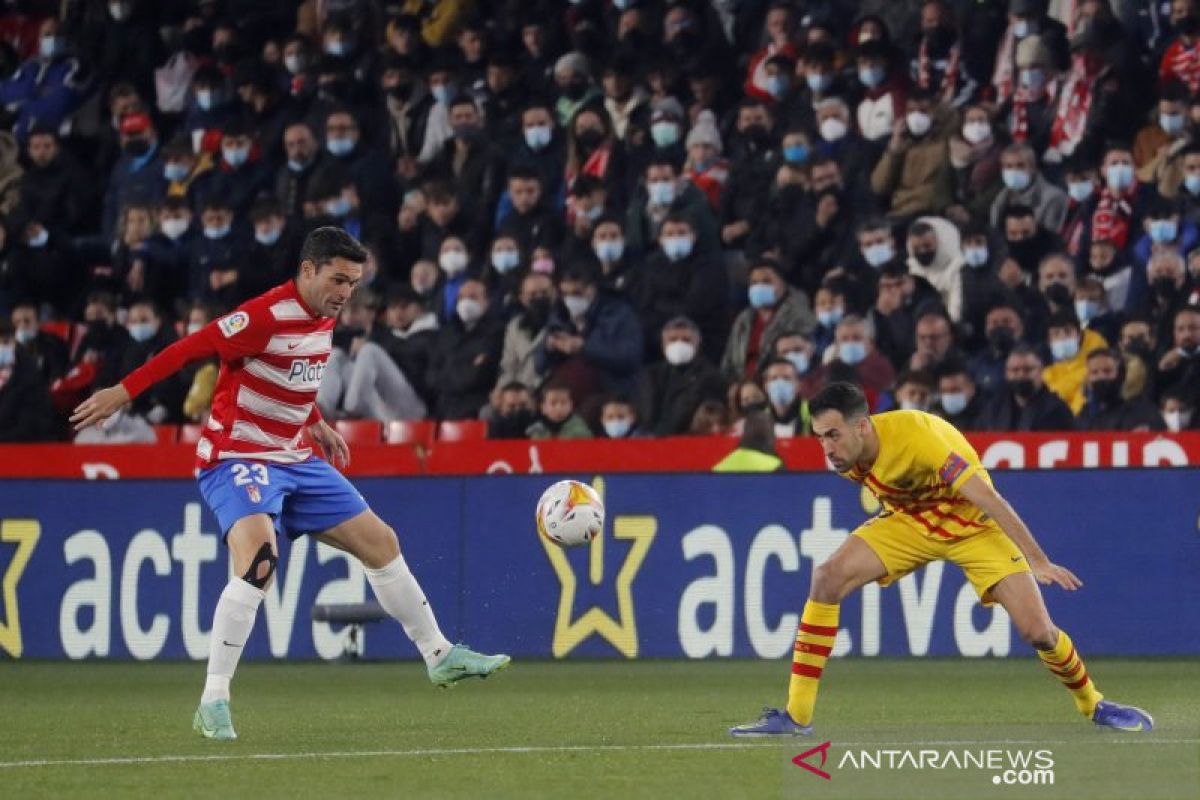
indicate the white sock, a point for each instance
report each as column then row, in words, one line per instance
column 232, row 622
column 401, row 596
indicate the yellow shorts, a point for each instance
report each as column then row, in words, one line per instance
column 986, row 557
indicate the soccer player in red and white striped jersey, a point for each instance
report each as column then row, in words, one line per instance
column 258, row 475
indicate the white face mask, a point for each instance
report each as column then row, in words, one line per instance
column 174, row 228
column 469, row 310
column 452, row 262
column 577, row 305
column 918, row 122
column 976, row 132
column 1177, row 420
column 194, row 327
column 833, row 129
column 679, row 353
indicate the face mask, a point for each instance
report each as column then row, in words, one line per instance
column 594, row 213
column 1023, row 28
column 832, row 129
column 1002, row 340
column 1107, row 390
column 543, row 265
column 852, row 353
column 818, row 81
column 119, row 11
column 1032, row 79
column 918, row 123
column 337, row 207
column 677, row 247
column 679, row 353
column 879, row 254
column 954, row 403
column 294, row 64
column 975, row 256
column 1171, row 123
column 1192, row 184
column 8, row 355
column 976, row 132
column 174, row 228
column 799, row 360
column 781, row 391
column 762, row 295
column 617, row 428
column 1119, row 176
column 830, row 317
column 664, row 134
column 268, row 238
column 469, row 132
column 1064, row 349
column 297, row 166
column 925, row 257
column 777, row 86
column 661, row 193
column 194, row 327
column 1015, row 180
column 911, row 405
column 795, row 153
column 452, row 262
column 1082, row 190
column 1163, row 230
column 576, row 305
column 870, row 76
column 340, row 145
column 469, row 310
column 1022, row 388
column 537, row 136
column 443, row 94
column 610, row 251
column 235, row 156
column 143, row 331
column 1177, row 420
column 39, row 241
column 204, row 99
column 337, row 47
column 137, row 147
column 1164, row 286
column 505, row 260
column 216, row 231
column 175, row 172
column 1086, row 310
column 25, row 335
column 48, row 46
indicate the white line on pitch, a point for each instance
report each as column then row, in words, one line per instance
column 474, row 751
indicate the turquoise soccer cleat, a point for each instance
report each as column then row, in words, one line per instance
column 212, row 720
column 773, row 722
column 462, row 662
column 1122, row 718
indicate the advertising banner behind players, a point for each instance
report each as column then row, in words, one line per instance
column 691, row 566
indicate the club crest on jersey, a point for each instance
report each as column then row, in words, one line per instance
column 304, row 372
column 235, row 322
column 255, row 495
column 955, row 466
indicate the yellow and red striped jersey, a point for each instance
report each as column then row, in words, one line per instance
column 923, row 460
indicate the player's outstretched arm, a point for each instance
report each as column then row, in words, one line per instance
column 99, row 407
column 988, row 500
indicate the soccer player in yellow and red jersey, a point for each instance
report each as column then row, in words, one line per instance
column 938, row 504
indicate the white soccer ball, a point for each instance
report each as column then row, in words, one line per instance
column 570, row 514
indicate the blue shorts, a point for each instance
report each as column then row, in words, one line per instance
column 309, row 497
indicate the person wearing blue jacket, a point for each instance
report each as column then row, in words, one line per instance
column 48, row 88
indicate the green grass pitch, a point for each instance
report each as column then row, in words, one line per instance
column 576, row 729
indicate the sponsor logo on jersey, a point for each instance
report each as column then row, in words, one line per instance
column 304, row 372
column 235, row 322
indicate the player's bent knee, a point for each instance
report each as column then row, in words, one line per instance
column 262, row 567
column 827, row 584
column 1042, row 634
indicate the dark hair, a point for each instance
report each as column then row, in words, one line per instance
column 585, row 272
column 918, row 376
column 1017, row 211
column 327, row 243
column 1105, row 352
column 1063, row 318
column 953, row 366
column 514, row 386
column 845, row 398
column 524, row 172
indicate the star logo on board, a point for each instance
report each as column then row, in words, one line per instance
column 621, row 633
column 24, row 533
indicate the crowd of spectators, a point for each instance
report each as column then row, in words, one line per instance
column 615, row 218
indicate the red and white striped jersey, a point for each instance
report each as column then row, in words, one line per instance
column 273, row 351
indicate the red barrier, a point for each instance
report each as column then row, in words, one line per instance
column 681, row 454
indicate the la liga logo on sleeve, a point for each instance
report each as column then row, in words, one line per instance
column 235, row 322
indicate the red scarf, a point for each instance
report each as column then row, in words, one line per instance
column 1110, row 220
column 949, row 77
column 1185, row 65
column 1074, row 102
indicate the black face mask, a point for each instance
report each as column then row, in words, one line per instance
column 1028, row 252
column 537, row 314
column 1002, row 340
column 757, row 137
column 591, row 138
column 1138, row 346
column 1164, row 287
column 137, row 147
column 226, row 53
column 99, row 334
column 401, row 91
column 925, row 257
column 468, row 133
column 1023, row 388
column 575, row 90
column 512, row 426
column 1106, row 391
column 1058, row 294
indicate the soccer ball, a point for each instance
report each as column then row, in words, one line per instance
column 570, row 514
